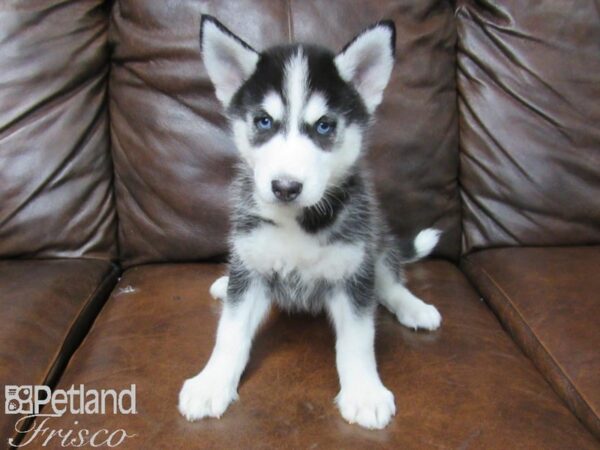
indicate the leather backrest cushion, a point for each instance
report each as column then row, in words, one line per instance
column 172, row 152
column 529, row 90
column 55, row 171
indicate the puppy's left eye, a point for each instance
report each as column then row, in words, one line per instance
column 325, row 127
column 263, row 123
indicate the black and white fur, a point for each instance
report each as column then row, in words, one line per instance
column 320, row 244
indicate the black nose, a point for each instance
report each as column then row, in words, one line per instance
column 286, row 190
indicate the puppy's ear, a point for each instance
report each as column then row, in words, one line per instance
column 367, row 61
column 229, row 60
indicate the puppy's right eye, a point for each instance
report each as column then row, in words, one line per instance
column 263, row 123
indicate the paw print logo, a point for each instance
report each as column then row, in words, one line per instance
column 12, row 407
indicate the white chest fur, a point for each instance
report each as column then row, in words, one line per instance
column 287, row 248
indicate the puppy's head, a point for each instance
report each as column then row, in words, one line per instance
column 298, row 112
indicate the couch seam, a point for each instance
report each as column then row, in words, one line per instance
column 290, row 22
column 110, row 153
column 523, row 325
column 108, row 277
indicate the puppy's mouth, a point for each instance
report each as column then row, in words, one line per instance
column 313, row 216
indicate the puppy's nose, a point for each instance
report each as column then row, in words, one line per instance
column 286, row 190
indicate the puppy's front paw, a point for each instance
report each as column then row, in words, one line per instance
column 420, row 316
column 205, row 396
column 368, row 407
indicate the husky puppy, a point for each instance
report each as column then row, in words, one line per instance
column 306, row 230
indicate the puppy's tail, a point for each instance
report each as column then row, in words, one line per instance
column 421, row 246
column 218, row 289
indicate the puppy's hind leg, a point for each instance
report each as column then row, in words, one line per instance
column 410, row 311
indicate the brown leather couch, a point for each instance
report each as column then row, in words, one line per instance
column 114, row 167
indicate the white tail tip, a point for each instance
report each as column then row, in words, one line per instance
column 426, row 241
column 218, row 289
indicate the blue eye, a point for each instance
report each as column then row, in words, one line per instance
column 324, row 128
column 263, row 123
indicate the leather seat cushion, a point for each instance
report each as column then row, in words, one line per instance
column 548, row 298
column 466, row 385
